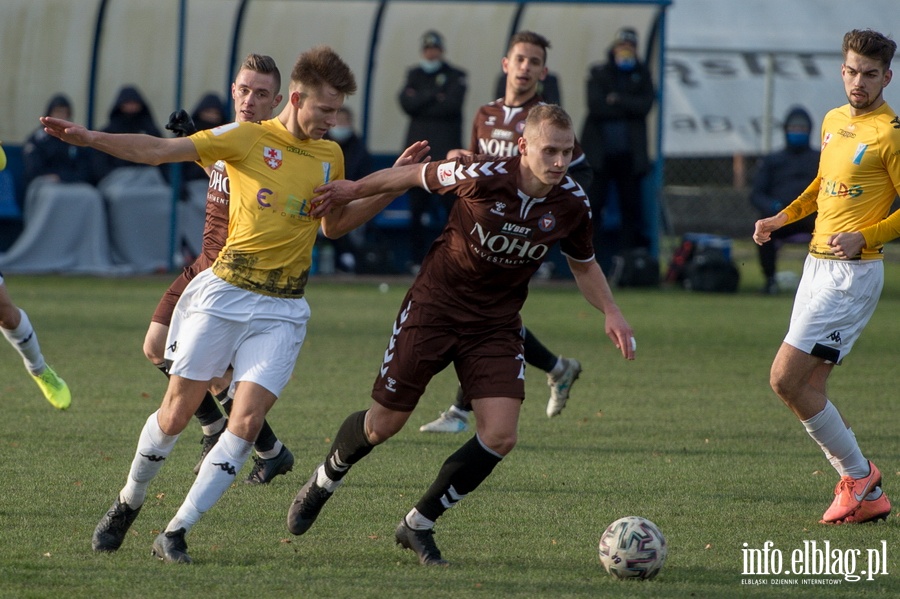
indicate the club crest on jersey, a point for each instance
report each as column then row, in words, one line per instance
column 547, row 222
column 446, row 174
column 272, row 157
column 860, row 150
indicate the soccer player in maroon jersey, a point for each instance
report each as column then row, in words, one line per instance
column 496, row 130
column 255, row 92
column 463, row 308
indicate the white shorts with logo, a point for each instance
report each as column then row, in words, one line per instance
column 834, row 302
column 216, row 324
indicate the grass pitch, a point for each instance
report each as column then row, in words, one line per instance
column 689, row 435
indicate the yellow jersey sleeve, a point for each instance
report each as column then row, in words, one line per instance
column 2, row 157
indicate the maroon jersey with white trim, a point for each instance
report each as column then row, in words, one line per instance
column 496, row 237
column 497, row 128
column 215, row 226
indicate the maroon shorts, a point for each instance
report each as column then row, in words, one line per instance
column 166, row 306
column 488, row 358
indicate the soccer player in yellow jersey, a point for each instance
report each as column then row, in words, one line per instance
column 858, row 178
column 248, row 310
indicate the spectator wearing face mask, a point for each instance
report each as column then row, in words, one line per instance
column 620, row 94
column 432, row 97
column 780, row 178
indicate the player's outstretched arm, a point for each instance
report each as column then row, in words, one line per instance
column 144, row 149
column 344, row 211
column 594, row 287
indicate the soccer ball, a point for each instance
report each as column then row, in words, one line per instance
column 633, row 547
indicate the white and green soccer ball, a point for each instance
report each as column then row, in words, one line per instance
column 633, row 547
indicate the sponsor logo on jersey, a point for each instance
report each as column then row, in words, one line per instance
column 218, row 180
column 262, row 195
column 838, row 189
column 505, row 248
column 517, row 230
column 446, row 174
column 502, row 134
column 498, row 147
column 547, row 222
column 300, row 151
column 224, row 129
column 272, row 157
column 860, row 150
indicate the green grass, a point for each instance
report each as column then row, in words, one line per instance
column 689, row 435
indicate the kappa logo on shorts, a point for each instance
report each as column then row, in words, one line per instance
column 835, row 336
column 272, row 157
column 174, row 347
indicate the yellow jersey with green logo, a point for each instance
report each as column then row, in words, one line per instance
column 859, row 176
column 272, row 175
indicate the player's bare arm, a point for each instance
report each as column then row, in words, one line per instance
column 340, row 220
column 144, row 149
column 594, row 287
column 764, row 227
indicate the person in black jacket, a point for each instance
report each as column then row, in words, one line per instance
column 46, row 156
column 130, row 114
column 433, row 98
column 208, row 114
column 781, row 177
column 620, row 95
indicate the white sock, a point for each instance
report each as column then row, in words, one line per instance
column 558, row 368
column 417, row 521
column 827, row 428
column 461, row 414
column 24, row 340
column 215, row 427
column 218, row 471
column 272, row 453
column 154, row 446
column 326, row 483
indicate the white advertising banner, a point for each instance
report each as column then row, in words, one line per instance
column 733, row 66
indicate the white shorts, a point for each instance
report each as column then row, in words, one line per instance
column 216, row 324
column 834, row 302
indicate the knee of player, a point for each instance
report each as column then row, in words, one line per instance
column 501, row 442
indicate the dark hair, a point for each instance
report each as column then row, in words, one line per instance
column 260, row 63
column 529, row 37
column 871, row 44
column 322, row 66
